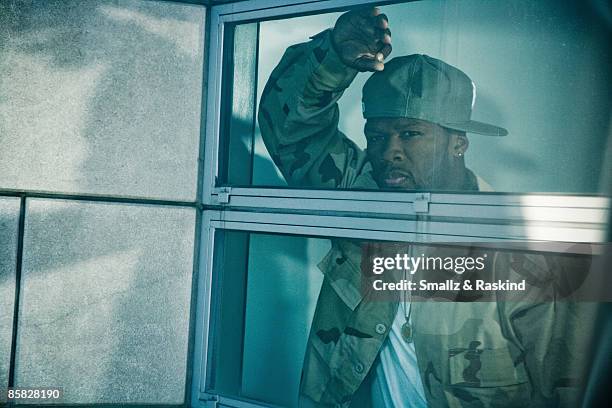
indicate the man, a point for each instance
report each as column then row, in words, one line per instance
column 417, row 111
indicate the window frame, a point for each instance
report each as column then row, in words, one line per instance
column 585, row 208
column 539, row 221
column 309, row 225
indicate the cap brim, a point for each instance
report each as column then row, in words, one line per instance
column 480, row 128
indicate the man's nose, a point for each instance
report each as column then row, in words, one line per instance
column 394, row 149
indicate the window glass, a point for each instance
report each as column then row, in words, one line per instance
column 106, row 291
column 263, row 313
column 539, row 71
column 9, row 220
column 271, row 292
column 101, row 97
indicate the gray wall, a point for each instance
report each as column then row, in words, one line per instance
column 100, row 97
column 106, row 291
column 9, row 219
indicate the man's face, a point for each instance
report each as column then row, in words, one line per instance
column 409, row 153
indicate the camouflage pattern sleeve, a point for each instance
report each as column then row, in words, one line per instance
column 298, row 117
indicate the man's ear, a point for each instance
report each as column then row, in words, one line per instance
column 459, row 143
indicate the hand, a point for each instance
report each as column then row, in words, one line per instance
column 362, row 39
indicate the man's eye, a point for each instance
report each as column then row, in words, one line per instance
column 376, row 139
column 411, row 133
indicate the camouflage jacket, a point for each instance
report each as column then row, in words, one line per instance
column 525, row 350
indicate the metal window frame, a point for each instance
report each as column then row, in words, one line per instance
column 336, row 226
column 413, row 230
column 530, row 221
column 371, row 228
column 515, row 207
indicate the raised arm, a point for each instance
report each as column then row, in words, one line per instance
column 298, row 112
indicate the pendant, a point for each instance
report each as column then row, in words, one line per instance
column 407, row 332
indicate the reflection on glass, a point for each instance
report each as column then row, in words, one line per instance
column 269, row 312
column 9, row 220
column 539, row 71
column 105, row 300
column 483, row 322
column 101, row 97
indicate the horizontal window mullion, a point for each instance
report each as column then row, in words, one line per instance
column 233, row 402
column 417, row 230
column 585, row 212
column 489, row 198
column 520, row 213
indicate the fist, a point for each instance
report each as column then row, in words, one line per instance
column 362, row 39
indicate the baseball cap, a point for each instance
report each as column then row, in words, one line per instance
column 421, row 87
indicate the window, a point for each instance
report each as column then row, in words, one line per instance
column 265, row 288
column 180, row 253
column 540, row 71
column 264, row 307
column 264, row 233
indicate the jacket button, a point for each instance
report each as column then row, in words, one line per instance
column 380, row 328
column 359, row 368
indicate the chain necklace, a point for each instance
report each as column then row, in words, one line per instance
column 407, row 332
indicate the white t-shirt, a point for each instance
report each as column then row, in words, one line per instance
column 397, row 381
